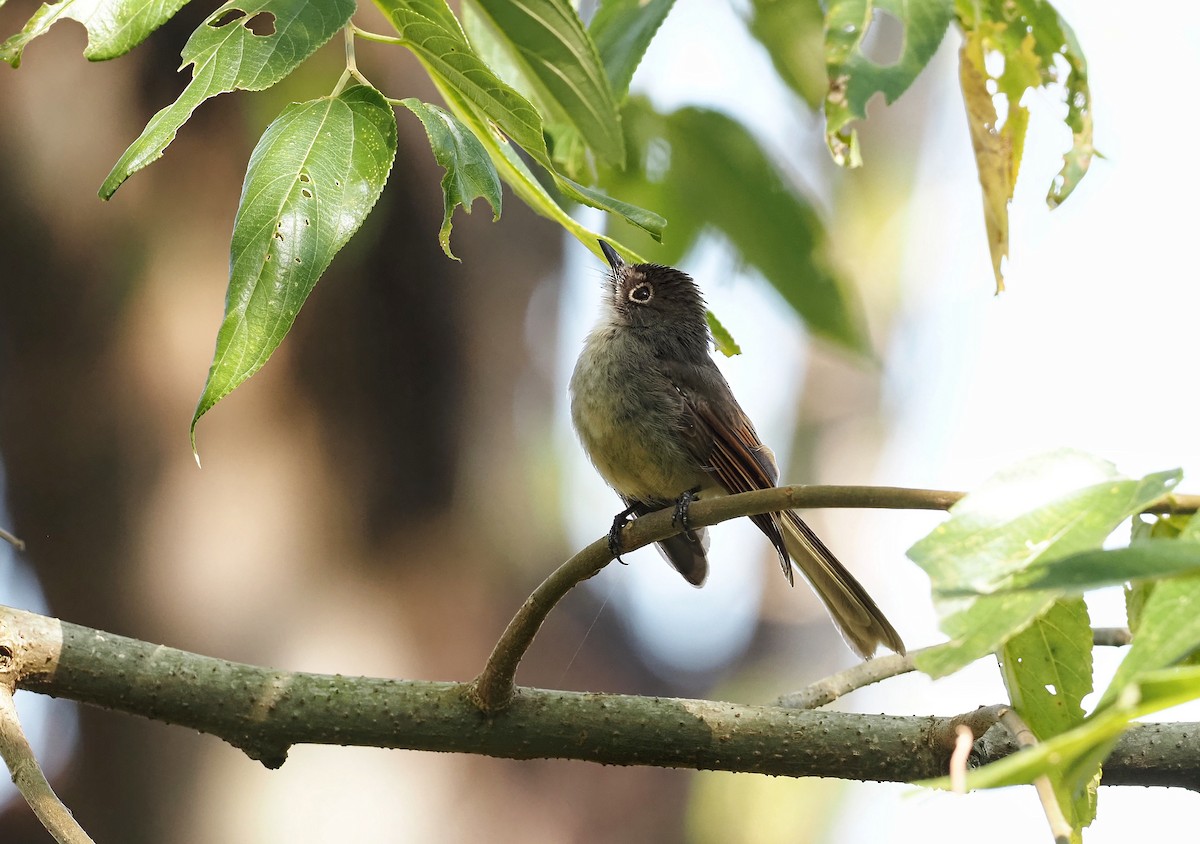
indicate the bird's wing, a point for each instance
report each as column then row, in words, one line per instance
column 723, row 440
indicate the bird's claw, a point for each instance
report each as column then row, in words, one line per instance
column 614, row 533
column 681, row 512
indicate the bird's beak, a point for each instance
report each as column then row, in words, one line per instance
column 614, row 260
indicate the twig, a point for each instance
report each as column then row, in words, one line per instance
column 829, row 689
column 12, row 540
column 1111, row 637
column 1060, row 828
column 26, row 773
column 964, row 740
column 492, row 690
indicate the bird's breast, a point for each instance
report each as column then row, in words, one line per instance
column 628, row 417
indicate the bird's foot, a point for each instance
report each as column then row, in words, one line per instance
column 618, row 525
column 681, row 512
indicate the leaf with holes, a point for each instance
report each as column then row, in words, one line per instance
column 1047, row 670
column 227, row 53
column 1033, row 47
column 313, row 177
column 548, row 41
column 114, row 27
column 469, row 171
column 622, row 30
column 854, row 78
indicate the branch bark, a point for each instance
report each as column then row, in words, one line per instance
column 264, row 711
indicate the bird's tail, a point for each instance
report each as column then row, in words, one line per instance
column 859, row 619
column 686, row 552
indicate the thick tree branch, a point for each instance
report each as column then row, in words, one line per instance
column 264, row 711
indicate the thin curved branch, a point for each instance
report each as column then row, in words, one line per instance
column 828, row 689
column 871, row 671
column 493, row 688
column 12, row 540
column 26, row 773
column 264, row 711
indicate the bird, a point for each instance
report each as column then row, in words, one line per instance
column 662, row 427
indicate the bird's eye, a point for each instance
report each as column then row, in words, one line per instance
column 641, row 294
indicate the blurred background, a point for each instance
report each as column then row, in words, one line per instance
column 384, row 494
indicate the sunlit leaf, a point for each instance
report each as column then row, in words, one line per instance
column 227, row 54
column 1040, row 510
column 547, row 38
column 114, row 27
column 854, row 78
column 622, row 30
column 1146, row 560
column 313, row 177
column 469, row 170
column 469, row 85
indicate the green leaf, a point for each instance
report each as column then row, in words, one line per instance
column 854, row 78
column 1039, row 510
column 313, row 177
column 1086, row 746
column 469, row 170
column 1168, row 631
column 1168, row 625
column 708, row 172
column 1047, row 670
column 724, row 341
column 478, row 97
column 516, row 173
column 622, row 31
column 226, row 55
column 793, row 31
column 547, row 38
column 1146, row 560
column 114, row 27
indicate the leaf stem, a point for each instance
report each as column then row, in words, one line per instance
column 351, row 71
column 366, row 35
